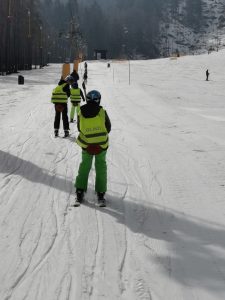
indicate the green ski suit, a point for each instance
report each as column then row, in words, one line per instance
column 94, row 126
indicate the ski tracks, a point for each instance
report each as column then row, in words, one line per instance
column 37, row 223
column 134, row 281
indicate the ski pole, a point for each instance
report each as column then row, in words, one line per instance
column 84, row 88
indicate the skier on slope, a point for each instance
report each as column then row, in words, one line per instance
column 60, row 96
column 75, row 97
column 207, row 75
column 93, row 126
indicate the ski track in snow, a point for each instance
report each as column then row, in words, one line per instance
column 161, row 235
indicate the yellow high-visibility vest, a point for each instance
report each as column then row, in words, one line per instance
column 93, row 131
column 75, row 95
column 58, row 95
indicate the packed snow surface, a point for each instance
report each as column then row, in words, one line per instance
column 162, row 234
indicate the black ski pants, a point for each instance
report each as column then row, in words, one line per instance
column 64, row 118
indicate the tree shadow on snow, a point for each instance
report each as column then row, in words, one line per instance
column 196, row 247
column 13, row 165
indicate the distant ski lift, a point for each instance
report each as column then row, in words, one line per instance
column 100, row 53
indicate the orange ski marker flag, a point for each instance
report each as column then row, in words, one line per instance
column 75, row 64
column 65, row 70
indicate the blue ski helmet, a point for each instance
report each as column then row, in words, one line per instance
column 69, row 79
column 94, row 96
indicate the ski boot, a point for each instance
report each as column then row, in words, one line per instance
column 56, row 132
column 101, row 199
column 66, row 133
column 79, row 197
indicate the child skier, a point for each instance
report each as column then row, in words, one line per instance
column 60, row 97
column 75, row 97
column 94, row 125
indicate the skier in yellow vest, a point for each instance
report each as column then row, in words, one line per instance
column 60, row 97
column 93, row 125
column 75, row 97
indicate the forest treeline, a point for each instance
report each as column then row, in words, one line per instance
column 21, row 40
column 36, row 32
column 125, row 28
column 136, row 28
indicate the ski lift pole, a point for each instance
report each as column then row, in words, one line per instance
column 84, row 88
column 129, row 71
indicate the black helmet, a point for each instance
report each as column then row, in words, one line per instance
column 94, row 96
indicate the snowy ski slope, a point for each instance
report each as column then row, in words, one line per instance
column 162, row 234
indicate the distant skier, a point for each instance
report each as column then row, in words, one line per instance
column 75, row 97
column 60, row 96
column 93, row 125
column 85, row 66
column 207, row 75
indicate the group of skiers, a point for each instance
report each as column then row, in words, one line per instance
column 93, row 125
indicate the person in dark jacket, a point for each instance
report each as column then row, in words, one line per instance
column 60, row 97
column 75, row 76
column 207, row 75
column 93, row 125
